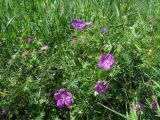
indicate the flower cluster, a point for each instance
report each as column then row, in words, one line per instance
column 63, row 97
column 30, row 40
column 79, row 24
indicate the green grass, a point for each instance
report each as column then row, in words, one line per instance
column 27, row 83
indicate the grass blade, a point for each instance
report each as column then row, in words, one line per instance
column 113, row 111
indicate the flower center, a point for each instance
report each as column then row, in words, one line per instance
column 63, row 96
column 106, row 62
column 100, row 87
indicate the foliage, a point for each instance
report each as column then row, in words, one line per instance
column 28, row 82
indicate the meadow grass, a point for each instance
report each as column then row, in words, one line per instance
column 28, row 82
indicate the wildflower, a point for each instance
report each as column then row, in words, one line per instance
column 106, row 62
column 25, row 53
column 29, row 40
column 44, row 48
column 104, row 30
column 154, row 104
column 76, row 23
column 73, row 40
column 63, row 98
column 101, row 87
column 137, row 107
column 4, row 111
column 79, row 24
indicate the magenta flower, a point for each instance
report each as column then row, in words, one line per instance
column 154, row 106
column 29, row 40
column 44, row 47
column 79, row 24
column 101, row 87
column 73, row 40
column 104, row 30
column 106, row 62
column 63, row 98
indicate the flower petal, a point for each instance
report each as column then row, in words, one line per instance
column 73, row 40
column 57, row 96
column 100, row 64
column 44, row 47
column 76, row 23
column 154, row 105
column 62, row 91
column 96, row 87
column 108, row 56
column 111, row 61
column 68, row 102
column 81, row 26
column 60, row 103
column 88, row 23
column 105, row 87
column 69, row 95
column 107, row 67
column 102, row 58
column 100, row 83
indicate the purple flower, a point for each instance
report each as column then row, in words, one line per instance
column 101, row 87
column 73, row 40
column 79, row 24
column 76, row 23
column 4, row 111
column 154, row 106
column 139, row 107
column 106, row 62
column 63, row 98
column 44, row 47
column 29, row 40
column 25, row 53
column 104, row 30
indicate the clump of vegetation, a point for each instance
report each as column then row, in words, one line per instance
column 81, row 59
